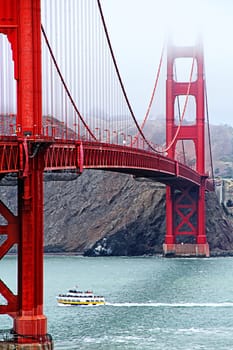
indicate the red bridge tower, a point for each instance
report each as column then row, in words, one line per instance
column 20, row 21
column 185, row 215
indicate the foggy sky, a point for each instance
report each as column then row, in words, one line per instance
column 138, row 29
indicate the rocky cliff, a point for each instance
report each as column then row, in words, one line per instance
column 108, row 212
column 104, row 213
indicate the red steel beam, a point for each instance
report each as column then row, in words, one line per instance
column 93, row 155
column 9, row 156
column 134, row 161
column 11, row 231
column 30, row 319
column 185, row 214
column 20, row 20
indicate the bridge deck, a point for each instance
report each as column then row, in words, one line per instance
column 76, row 156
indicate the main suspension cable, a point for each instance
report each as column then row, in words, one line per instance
column 152, row 96
column 208, row 128
column 65, row 85
column 119, row 77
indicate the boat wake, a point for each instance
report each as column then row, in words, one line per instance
column 172, row 305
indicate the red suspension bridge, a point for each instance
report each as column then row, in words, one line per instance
column 64, row 107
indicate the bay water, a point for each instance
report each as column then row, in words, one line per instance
column 152, row 302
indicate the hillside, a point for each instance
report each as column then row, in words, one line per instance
column 222, row 149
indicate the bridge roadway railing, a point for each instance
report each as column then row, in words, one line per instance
column 137, row 162
column 63, row 155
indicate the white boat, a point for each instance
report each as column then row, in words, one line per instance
column 77, row 297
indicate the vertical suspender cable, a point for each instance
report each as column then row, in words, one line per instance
column 82, row 40
column 103, row 81
column 85, row 62
column 79, row 63
column 69, row 114
column 91, row 64
column 75, row 63
column 95, row 64
column 208, row 128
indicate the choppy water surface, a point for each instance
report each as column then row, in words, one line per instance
column 152, row 303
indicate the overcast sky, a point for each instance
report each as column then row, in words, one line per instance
column 138, row 29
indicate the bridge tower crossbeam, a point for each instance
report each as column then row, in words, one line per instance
column 185, row 207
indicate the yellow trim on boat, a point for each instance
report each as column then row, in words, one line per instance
column 60, row 301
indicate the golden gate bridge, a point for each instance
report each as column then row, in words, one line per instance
column 64, row 107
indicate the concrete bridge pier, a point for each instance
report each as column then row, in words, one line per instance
column 30, row 346
column 186, row 250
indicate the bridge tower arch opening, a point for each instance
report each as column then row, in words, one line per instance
column 185, row 153
column 185, row 207
column 189, row 109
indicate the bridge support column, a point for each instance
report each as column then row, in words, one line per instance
column 185, row 234
column 30, row 324
column 26, row 230
column 185, row 213
column 20, row 20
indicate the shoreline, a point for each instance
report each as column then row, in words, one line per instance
column 213, row 254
